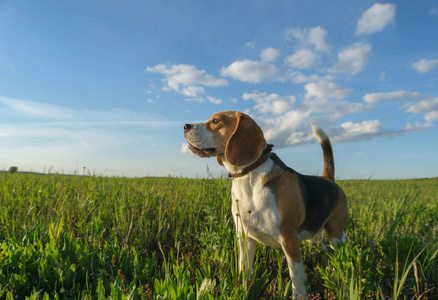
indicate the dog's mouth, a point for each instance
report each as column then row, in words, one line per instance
column 208, row 152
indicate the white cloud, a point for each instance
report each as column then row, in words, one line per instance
column 328, row 111
column 278, row 129
column 418, row 126
column 214, row 100
column 192, row 91
column 424, row 65
column 392, row 96
column 196, row 99
column 427, row 106
column 324, row 99
column 285, row 123
column 187, row 79
column 269, row 54
column 346, row 132
column 376, row 18
column 370, row 126
column 250, row 45
column 292, row 128
column 433, row 115
column 352, row 59
column 300, row 137
column 185, row 149
column 299, row 77
column 325, row 90
column 309, row 38
column 434, row 11
column 250, row 71
column 317, row 38
column 272, row 103
column 365, row 130
column 302, row 59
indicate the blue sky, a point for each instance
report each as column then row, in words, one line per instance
column 108, row 85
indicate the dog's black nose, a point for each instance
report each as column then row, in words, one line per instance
column 188, row 127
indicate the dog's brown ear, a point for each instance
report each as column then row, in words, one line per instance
column 219, row 161
column 246, row 143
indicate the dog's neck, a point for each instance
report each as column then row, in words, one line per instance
column 240, row 171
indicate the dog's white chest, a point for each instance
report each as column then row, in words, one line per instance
column 255, row 211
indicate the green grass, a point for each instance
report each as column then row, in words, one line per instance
column 72, row 237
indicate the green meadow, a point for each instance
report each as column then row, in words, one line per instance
column 91, row 237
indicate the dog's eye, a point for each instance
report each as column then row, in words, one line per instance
column 215, row 121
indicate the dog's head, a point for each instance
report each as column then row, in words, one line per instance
column 228, row 134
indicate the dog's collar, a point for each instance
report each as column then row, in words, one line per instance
column 263, row 157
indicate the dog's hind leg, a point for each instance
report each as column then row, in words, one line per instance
column 335, row 230
column 337, row 223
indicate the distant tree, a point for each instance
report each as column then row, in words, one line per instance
column 13, row 170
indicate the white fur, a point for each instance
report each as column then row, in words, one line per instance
column 255, row 215
column 230, row 168
column 200, row 137
column 254, row 208
column 257, row 219
column 320, row 134
column 298, row 276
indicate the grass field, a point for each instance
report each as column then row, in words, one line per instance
column 73, row 237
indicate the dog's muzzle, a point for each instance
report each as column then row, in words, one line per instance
column 201, row 152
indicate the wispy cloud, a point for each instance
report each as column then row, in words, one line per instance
column 352, row 59
column 324, row 89
column 251, row 71
column 376, row 18
column 185, row 149
column 392, row 96
column 66, row 133
column 272, row 103
column 302, row 59
column 414, row 102
column 312, row 38
column 347, row 132
column 214, row 100
column 187, row 79
column 56, row 114
column 309, row 43
column 424, row 65
column 286, row 121
column 31, row 109
column 269, row 54
column 428, row 107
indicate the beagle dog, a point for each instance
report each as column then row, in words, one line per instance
column 272, row 203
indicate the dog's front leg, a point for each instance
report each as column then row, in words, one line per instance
column 291, row 248
column 247, row 248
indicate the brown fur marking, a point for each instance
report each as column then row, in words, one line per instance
column 329, row 162
column 308, row 203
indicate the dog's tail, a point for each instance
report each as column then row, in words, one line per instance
column 329, row 161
